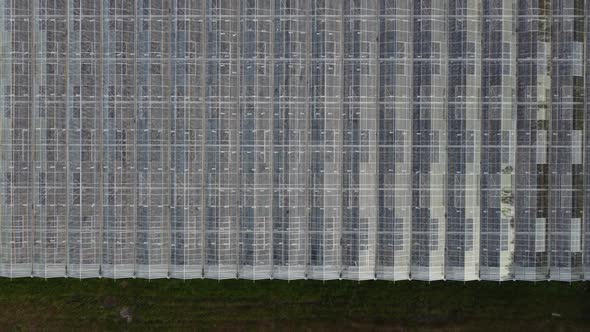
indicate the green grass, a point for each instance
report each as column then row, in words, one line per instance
column 96, row 304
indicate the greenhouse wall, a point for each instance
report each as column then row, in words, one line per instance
column 301, row 139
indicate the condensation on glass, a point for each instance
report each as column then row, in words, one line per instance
column 498, row 140
column 531, row 256
column 429, row 139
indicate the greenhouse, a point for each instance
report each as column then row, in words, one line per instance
column 295, row 139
